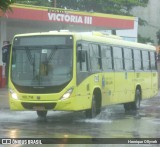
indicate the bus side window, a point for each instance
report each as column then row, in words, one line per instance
column 137, row 60
column 145, row 56
column 118, row 58
column 128, row 59
column 82, row 62
column 95, row 57
column 106, row 54
column 153, row 61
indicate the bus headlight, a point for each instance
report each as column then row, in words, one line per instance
column 67, row 94
column 13, row 94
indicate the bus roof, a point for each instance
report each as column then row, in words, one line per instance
column 115, row 40
column 95, row 37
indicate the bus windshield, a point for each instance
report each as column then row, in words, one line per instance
column 42, row 61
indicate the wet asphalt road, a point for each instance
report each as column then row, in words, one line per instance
column 113, row 122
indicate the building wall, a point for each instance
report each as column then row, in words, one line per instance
column 151, row 14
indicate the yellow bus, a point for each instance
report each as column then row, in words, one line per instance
column 68, row 71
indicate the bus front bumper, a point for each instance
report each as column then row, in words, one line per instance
column 71, row 104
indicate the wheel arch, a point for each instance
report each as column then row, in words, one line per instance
column 98, row 94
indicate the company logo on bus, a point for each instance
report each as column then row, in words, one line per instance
column 38, row 97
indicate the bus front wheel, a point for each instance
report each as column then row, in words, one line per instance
column 92, row 112
column 42, row 114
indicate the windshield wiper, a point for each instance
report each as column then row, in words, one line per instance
column 52, row 54
column 31, row 60
column 29, row 55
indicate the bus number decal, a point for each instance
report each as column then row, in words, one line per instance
column 96, row 78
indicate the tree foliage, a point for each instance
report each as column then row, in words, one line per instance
column 121, row 7
column 45, row 3
column 5, row 4
column 145, row 39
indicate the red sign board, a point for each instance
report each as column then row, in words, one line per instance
column 71, row 17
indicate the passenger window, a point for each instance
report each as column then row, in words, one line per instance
column 137, row 60
column 118, row 58
column 95, row 57
column 145, row 57
column 128, row 60
column 106, row 54
column 153, row 61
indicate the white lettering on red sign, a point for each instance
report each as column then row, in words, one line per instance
column 87, row 20
column 60, row 17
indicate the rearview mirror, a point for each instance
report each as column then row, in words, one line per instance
column 81, row 56
column 6, row 53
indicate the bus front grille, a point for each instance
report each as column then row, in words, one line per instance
column 34, row 106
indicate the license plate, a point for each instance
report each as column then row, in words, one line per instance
column 39, row 108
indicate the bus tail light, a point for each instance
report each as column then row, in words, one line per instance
column 67, row 94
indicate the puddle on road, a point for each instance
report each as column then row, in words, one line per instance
column 111, row 122
column 95, row 121
column 107, row 115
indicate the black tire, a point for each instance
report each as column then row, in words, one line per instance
column 127, row 106
column 42, row 114
column 91, row 113
column 131, row 106
column 136, row 104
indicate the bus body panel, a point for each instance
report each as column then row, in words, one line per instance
column 124, row 89
column 154, row 83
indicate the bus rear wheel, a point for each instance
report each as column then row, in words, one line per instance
column 136, row 104
column 42, row 114
column 94, row 110
column 127, row 107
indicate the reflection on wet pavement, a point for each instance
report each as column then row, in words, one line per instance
column 112, row 122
